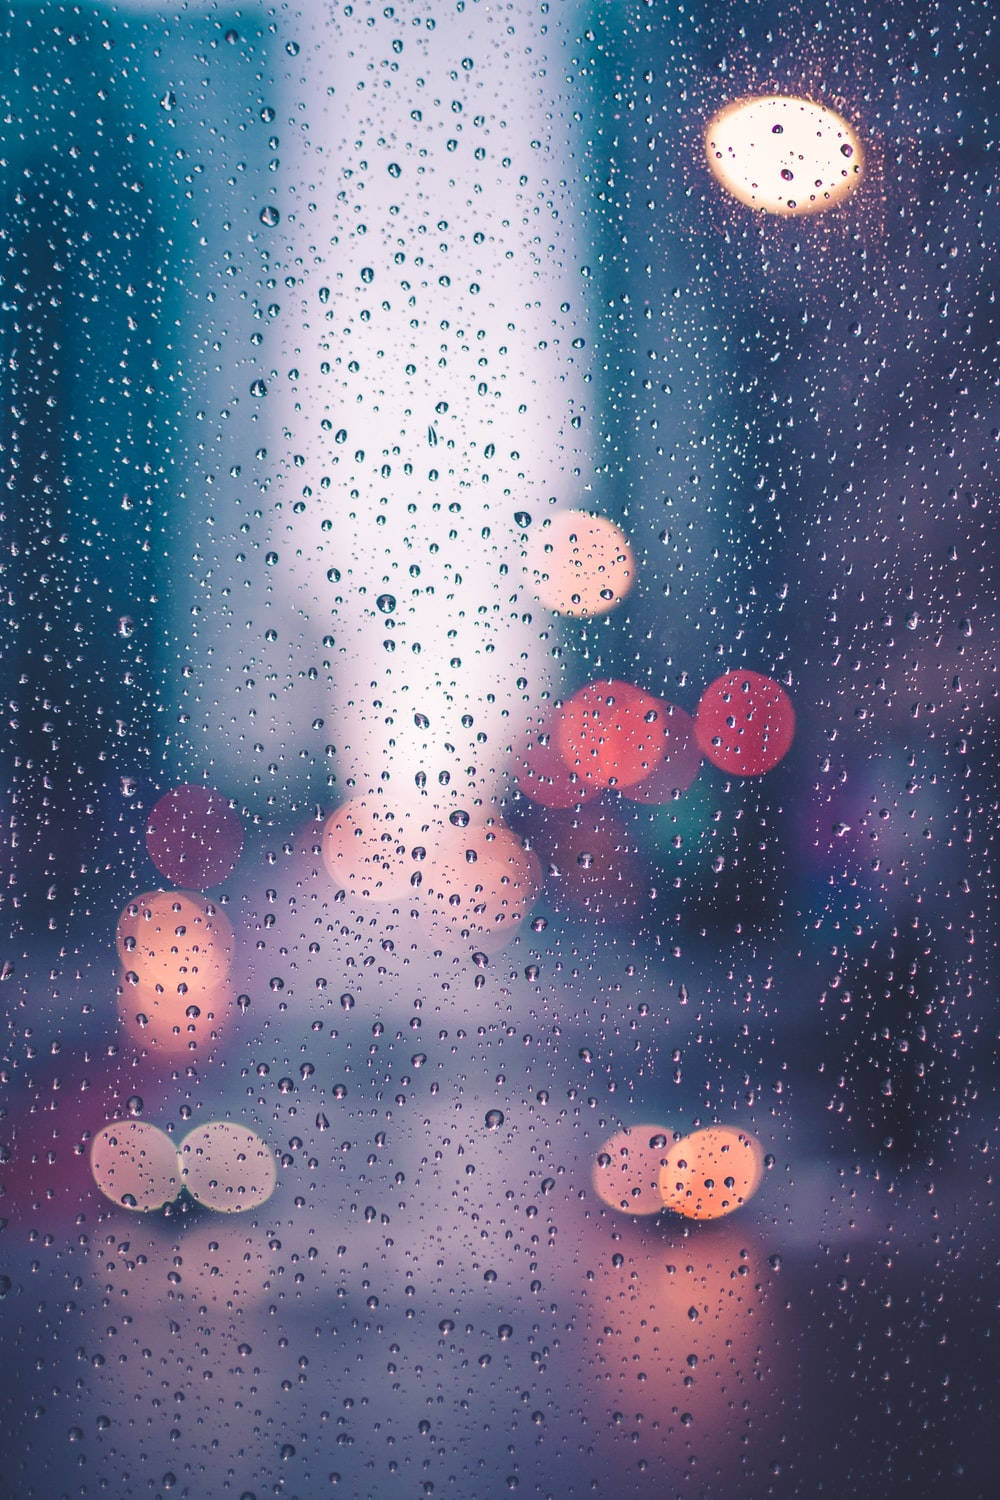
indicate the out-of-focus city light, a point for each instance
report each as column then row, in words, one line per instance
column 580, row 564
column 170, row 1023
column 711, row 1172
column 784, row 155
column 543, row 775
column 745, row 723
column 373, row 851
column 610, row 733
column 135, row 1165
column 626, row 1172
column 193, row 836
column 482, row 881
column 681, row 759
column 227, row 1167
column 170, row 938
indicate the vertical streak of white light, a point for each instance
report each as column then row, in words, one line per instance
column 434, row 366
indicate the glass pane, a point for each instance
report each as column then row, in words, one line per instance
column 499, row 794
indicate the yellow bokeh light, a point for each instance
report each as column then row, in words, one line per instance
column 580, row 564
column 711, row 1172
column 135, row 1165
column 227, row 1167
column 784, row 155
column 170, row 938
column 626, row 1172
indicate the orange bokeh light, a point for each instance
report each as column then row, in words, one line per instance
column 745, row 723
column 711, row 1172
column 626, row 1170
column 580, row 564
column 373, row 850
column 611, row 734
column 481, row 882
column 170, row 938
column 168, row 1024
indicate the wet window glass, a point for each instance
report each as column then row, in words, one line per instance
column 499, row 790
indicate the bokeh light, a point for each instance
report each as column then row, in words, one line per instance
column 580, row 564
column 626, row 1171
column 193, row 837
column 610, row 733
column 711, row 1172
column 171, row 1023
column 373, row 850
column 544, row 777
column 784, row 155
column 481, row 882
column 745, row 723
column 679, row 765
column 135, row 1165
column 227, row 1167
column 173, row 938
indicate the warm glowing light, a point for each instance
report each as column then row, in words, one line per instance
column 745, row 723
column 679, row 766
column 193, row 837
column 135, row 1165
column 711, row 1172
column 580, row 564
column 168, row 1024
column 543, row 775
column 611, row 733
column 373, row 850
column 173, row 938
column 481, row 882
column 784, row 155
column 227, row 1167
column 626, row 1172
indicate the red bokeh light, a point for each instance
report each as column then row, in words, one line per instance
column 543, row 775
column 193, row 837
column 611, row 733
column 681, row 759
column 745, row 723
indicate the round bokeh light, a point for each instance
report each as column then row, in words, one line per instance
column 227, row 1167
column 173, row 938
column 626, row 1171
column 679, row 766
column 135, row 1165
column 784, row 155
column 373, row 850
column 544, row 777
column 193, row 837
column 711, row 1172
column 611, row 734
column 745, row 723
column 580, row 564
column 168, row 1024
column 481, row 882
